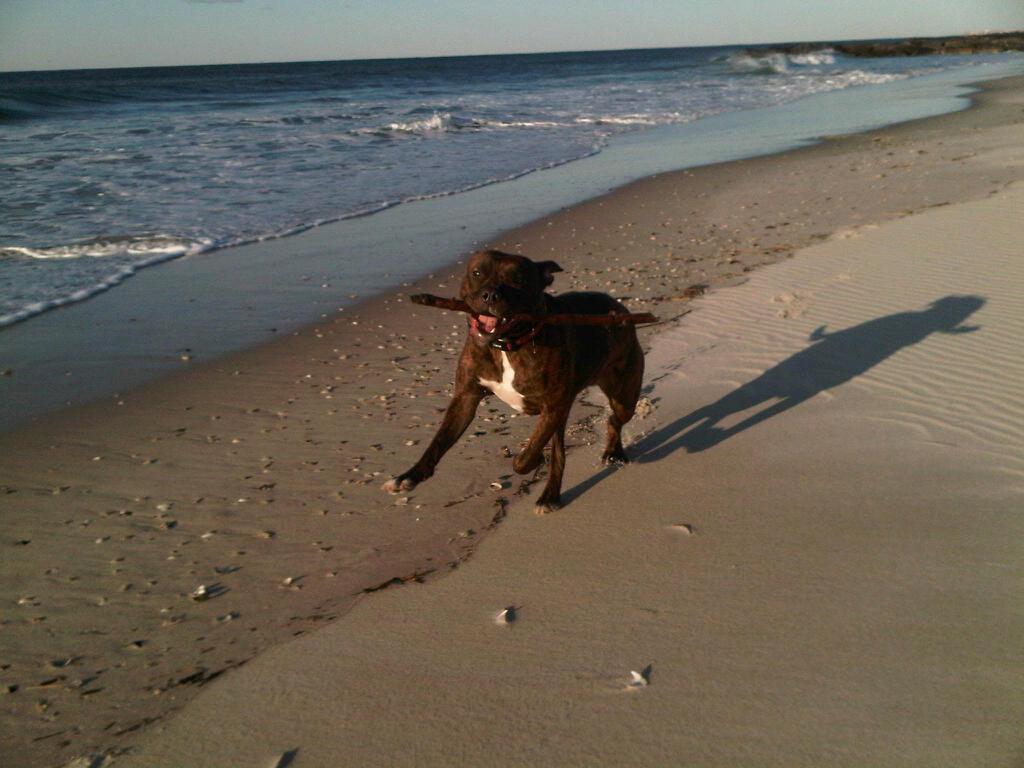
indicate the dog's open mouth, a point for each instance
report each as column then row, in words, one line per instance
column 483, row 324
column 489, row 325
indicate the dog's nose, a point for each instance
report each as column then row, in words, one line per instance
column 490, row 294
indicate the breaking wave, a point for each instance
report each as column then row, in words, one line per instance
column 814, row 58
column 446, row 122
column 776, row 62
column 134, row 246
column 127, row 254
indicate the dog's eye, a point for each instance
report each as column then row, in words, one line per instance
column 476, row 273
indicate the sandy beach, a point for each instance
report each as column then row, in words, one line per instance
column 815, row 550
column 837, row 582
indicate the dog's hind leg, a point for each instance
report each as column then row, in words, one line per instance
column 622, row 388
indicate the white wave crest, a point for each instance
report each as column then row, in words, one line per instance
column 813, row 58
column 769, row 63
column 147, row 246
column 159, row 249
column 622, row 120
column 778, row 63
column 519, row 124
column 446, row 122
column 438, row 122
column 860, row 77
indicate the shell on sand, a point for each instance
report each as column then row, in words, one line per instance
column 200, row 593
column 506, row 616
column 640, row 679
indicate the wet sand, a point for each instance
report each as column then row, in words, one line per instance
column 256, row 476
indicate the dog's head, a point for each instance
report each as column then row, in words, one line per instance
column 498, row 286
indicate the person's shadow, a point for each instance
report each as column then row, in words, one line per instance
column 830, row 360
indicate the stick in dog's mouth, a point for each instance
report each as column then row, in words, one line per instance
column 477, row 320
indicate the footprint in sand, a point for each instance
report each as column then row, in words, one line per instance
column 794, row 305
column 644, row 408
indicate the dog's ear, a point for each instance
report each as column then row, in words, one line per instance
column 547, row 271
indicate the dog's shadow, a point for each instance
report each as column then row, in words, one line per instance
column 830, row 360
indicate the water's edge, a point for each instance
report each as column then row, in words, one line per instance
column 180, row 309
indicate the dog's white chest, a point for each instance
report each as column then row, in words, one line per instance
column 504, row 388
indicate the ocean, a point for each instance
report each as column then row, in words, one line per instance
column 110, row 171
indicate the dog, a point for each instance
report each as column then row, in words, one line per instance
column 536, row 369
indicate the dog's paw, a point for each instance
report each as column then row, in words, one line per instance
column 399, row 484
column 614, row 458
column 545, row 507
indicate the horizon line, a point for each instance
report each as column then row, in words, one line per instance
column 513, row 53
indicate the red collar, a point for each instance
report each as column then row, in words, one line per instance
column 512, row 343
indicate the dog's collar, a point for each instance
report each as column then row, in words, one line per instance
column 509, row 343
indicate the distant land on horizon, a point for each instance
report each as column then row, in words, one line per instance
column 986, row 42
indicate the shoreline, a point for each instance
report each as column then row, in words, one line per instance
column 241, row 480
column 196, row 308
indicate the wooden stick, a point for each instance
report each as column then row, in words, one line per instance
column 612, row 318
column 429, row 300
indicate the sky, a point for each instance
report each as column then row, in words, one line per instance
column 78, row 34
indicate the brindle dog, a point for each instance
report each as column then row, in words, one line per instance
column 537, row 370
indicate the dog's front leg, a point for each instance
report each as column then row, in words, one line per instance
column 532, row 455
column 457, row 418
